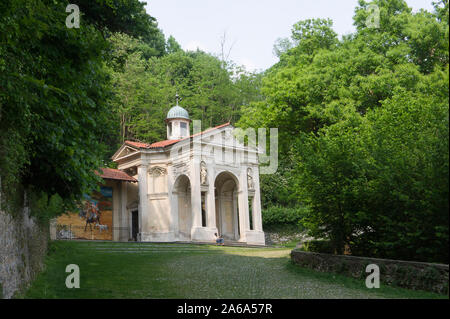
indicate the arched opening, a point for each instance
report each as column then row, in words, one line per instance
column 226, row 198
column 182, row 190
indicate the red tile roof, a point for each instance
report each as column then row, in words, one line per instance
column 137, row 144
column 170, row 142
column 163, row 143
column 115, row 174
column 154, row 145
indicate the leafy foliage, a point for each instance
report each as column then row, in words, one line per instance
column 363, row 120
column 53, row 88
column 319, row 246
column 278, row 215
column 129, row 17
column 144, row 89
column 45, row 207
column 363, row 123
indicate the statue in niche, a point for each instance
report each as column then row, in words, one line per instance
column 203, row 174
column 250, row 178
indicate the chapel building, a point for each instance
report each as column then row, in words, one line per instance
column 189, row 187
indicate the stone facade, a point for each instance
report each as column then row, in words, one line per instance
column 23, row 246
column 191, row 187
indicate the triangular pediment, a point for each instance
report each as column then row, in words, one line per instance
column 229, row 136
column 124, row 151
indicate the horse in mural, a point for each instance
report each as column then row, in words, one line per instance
column 92, row 215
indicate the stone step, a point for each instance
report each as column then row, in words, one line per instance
column 178, row 244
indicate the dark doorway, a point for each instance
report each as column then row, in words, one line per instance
column 227, row 208
column 134, row 224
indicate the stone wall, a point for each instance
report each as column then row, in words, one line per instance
column 407, row 274
column 274, row 238
column 23, row 246
column 282, row 234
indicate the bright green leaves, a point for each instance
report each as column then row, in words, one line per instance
column 314, row 34
column 54, row 86
column 363, row 124
column 144, row 89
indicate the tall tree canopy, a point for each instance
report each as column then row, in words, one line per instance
column 128, row 17
column 54, row 87
column 364, row 123
column 144, row 89
column 363, row 120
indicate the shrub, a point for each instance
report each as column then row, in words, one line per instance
column 319, row 246
column 45, row 207
column 277, row 215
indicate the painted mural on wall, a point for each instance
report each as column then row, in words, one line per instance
column 93, row 220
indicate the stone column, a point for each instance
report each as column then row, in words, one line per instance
column 173, row 201
column 256, row 235
column 222, row 211
column 53, row 223
column 116, row 210
column 123, row 225
column 175, row 210
column 243, row 204
column 235, row 216
column 211, row 200
column 143, row 200
column 196, row 209
column 257, row 217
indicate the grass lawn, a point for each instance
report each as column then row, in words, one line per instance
column 140, row 270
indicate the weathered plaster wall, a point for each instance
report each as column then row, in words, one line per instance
column 23, row 246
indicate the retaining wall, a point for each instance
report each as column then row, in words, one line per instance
column 407, row 274
column 23, row 246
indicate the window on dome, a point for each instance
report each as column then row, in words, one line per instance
column 170, row 128
column 183, row 129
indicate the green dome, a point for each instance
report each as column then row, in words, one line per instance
column 177, row 112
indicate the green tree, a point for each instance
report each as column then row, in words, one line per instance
column 172, row 45
column 53, row 92
column 127, row 17
column 333, row 102
column 145, row 88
